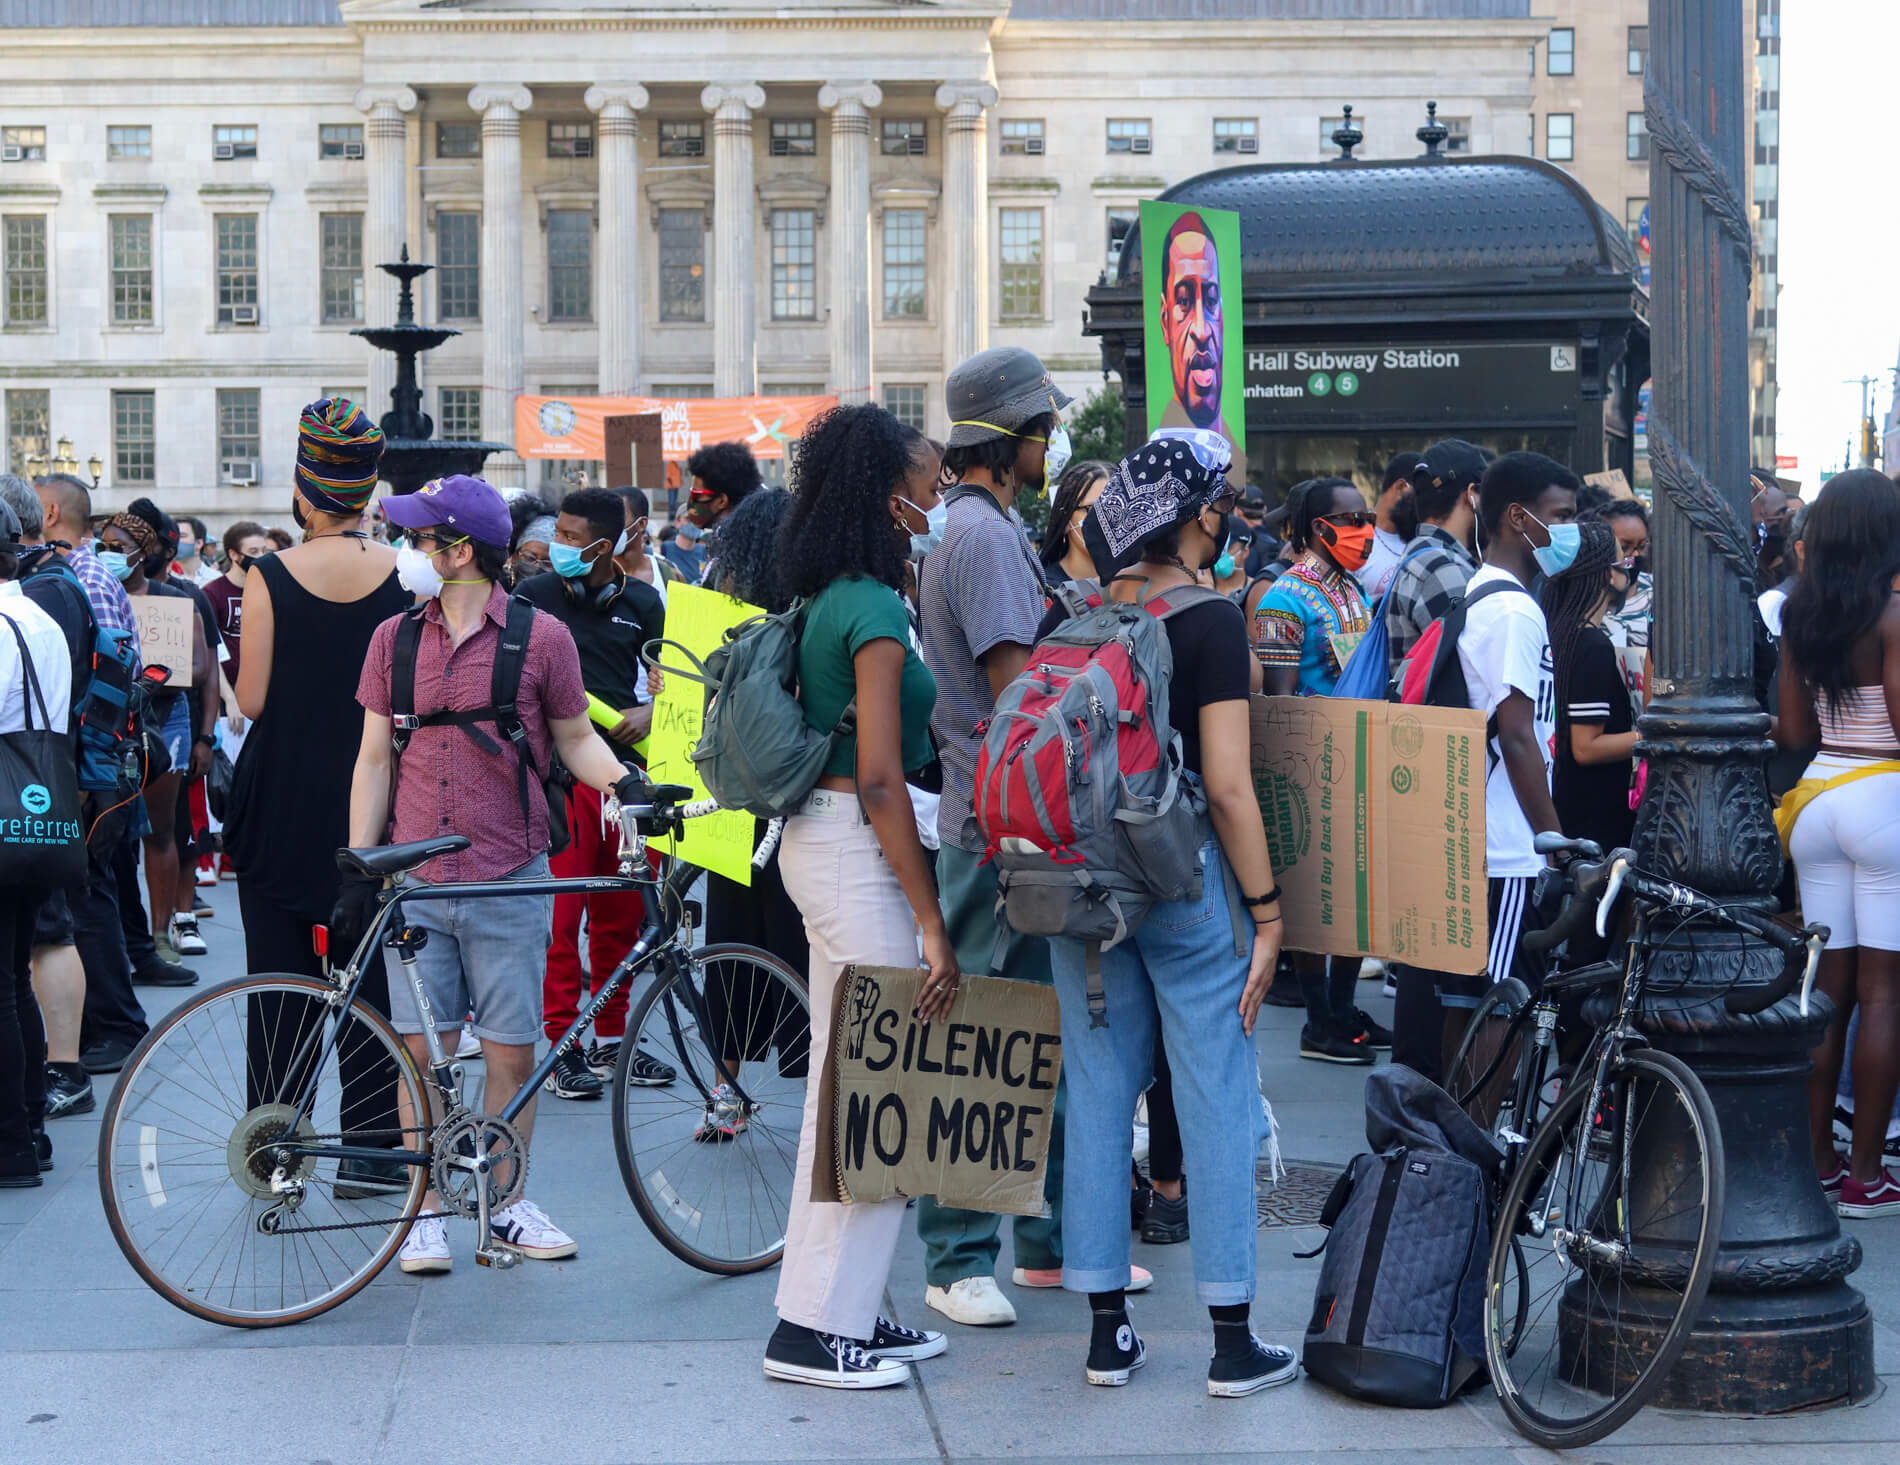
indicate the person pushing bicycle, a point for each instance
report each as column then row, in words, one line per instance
column 467, row 700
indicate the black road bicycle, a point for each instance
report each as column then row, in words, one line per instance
column 270, row 1142
column 1613, row 1180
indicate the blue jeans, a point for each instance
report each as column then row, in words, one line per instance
column 1179, row 968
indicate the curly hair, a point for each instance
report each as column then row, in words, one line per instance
column 1852, row 536
column 1077, row 479
column 727, row 468
column 848, row 463
column 748, row 566
column 523, row 510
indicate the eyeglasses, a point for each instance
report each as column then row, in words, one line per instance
column 418, row 536
column 1225, row 503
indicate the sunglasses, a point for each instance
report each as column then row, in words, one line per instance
column 1351, row 519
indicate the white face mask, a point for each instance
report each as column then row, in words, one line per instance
column 1056, row 456
column 418, row 573
column 620, row 544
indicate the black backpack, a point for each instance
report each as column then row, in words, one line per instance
column 504, row 689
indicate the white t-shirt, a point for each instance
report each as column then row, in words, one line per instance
column 52, row 664
column 1505, row 647
column 1376, row 573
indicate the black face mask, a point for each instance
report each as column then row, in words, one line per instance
column 1405, row 518
column 297, row 513
column 1220, row 542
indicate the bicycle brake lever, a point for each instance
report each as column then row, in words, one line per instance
column 1610, row 893
column 1816, row 943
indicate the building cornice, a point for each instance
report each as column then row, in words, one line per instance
column 29, row 193
column 1313, row 34
column 110, row 193
column 235, row 192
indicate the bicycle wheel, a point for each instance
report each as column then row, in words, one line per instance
column 184, row 1163
column 1615, row 1217
column 1490, row 1045
column 710, row 1165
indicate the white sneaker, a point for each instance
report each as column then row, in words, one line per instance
column 184, row 936
column 976, row 1302
column 206, row 876
column 469, row 1045
column 427, row 1249
column 526, row 1228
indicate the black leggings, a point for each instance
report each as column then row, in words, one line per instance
column 1164, row 1130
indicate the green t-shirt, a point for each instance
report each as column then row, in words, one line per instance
column 840, row 621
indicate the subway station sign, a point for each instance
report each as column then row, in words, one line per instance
column 1292, row 385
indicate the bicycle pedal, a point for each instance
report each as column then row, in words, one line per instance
column 501, row 1258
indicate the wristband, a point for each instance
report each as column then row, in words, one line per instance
column 206, row 739
column 1255, row 901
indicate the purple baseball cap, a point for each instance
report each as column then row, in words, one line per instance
column 459, row 501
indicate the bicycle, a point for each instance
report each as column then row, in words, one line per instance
column 270, row 1142
column 1613, row 1175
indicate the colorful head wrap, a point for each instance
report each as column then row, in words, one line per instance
column 338, row 448
column 1164, row 482
column 143, row 535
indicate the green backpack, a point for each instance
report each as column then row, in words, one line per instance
column 756, row 752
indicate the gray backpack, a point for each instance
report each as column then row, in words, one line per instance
column 1085, row 809
column 755, row 751
column 1398, row 1314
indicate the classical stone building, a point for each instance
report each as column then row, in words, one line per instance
column 740, row 195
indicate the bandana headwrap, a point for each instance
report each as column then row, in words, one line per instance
column 1166, row 481
column 143, row 535
column 338, row 448
column 537, row 531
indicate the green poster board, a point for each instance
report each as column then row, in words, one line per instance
column 1196, row 362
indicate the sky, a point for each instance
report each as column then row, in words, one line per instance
column 1840, row 224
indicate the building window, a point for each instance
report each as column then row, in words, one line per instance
column 682, row 139
column 1560, row 137
column 1638, row 131
column 461, row 413
column 570, row 139
column 128, row 142
column 906, row 404
column 27, row 413
column 1021, row 135
column 24, row 241
column 237, row 269
column 238, row 446
column 458, row 270
column 570, row 264
column 903, row 264
column 23, row 144
column 342, row 267
column 905, row 137
column 340, row 140
column 233, row 142
column 131, row 243
column 1129, row 135
column 794, row 264
column 1639, row 50
column 458, row 139
column 1021, row 231
column 134, row 439
column 1120, row 223
column 1633, row 209
column 682, row 264
column 1236, row 135
column 794, row 137
column 1457, row 134
column 673, row 391
column 1561, row 58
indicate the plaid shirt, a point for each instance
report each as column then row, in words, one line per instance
column 1427, row 585
column 111, row 606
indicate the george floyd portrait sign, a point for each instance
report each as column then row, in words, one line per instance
column 961, row 1110
column 1190, row 271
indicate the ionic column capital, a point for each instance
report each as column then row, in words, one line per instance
column 385, row 101
column 500, row 101
column 966, row 101
column 733, row 103
column 614, row 96
column 850, row 102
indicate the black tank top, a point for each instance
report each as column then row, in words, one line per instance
column 290, row 793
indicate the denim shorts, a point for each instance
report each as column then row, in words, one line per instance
column 485, row 956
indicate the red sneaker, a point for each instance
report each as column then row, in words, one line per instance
column 1831, row 1181
column 1882, row 1198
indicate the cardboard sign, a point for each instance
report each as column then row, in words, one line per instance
column 1612, row 482
column 961, row 1110
column 698, row 619
column 168, row 626
column 1375, row 816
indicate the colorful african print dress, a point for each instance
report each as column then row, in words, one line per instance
column 1311, row 620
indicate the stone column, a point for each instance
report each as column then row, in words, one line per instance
column 618, row 278
column 850, row 105
column 501, row 106
column 966, row 224
column 735, row 285
column 386, row 152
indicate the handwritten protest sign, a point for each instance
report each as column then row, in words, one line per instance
column 167, row 625
column 960, row 1109
column 697, row 619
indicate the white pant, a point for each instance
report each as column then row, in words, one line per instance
column 1846, row 853
column 838, row 1257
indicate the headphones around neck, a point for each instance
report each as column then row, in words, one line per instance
column 597, row 598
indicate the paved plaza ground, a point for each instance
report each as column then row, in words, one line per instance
column 625, row 1355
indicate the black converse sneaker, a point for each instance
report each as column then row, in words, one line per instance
column 907, row 1345
column 571, row 1078
column 1115, row 1351
column 803, row 1356
column 1261, row 1367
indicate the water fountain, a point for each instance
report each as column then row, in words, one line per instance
column 411, row 457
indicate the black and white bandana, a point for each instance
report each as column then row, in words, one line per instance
column 1166, row 481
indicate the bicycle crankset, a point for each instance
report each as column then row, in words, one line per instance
column 453, row 1172
column 253, row 1138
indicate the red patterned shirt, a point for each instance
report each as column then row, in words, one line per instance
column 445, row 782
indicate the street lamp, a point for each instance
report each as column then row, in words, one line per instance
column 95, row 465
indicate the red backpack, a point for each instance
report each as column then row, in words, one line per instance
column 1432, row 675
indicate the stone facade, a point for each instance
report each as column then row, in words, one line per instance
column 766, row 197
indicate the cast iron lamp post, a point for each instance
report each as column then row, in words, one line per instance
column 1781, row 1328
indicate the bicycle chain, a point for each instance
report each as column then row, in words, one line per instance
column 347, row 1225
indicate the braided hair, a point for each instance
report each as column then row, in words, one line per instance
column 1570, row 602
column 1310, row 501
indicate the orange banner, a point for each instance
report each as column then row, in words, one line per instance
column 575, row 427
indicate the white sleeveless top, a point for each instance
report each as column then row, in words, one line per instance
column 1861, row 721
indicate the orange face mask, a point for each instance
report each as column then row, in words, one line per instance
column 1350, row 545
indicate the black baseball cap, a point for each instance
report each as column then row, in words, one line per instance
column 1450, row 460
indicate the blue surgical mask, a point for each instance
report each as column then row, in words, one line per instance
column 567, row 561
column 1557, row 556
column 923, row 544
column 120, row 565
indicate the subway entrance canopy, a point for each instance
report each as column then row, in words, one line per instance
column 1390, row 304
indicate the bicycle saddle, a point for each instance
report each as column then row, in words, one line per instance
column 383, row 860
